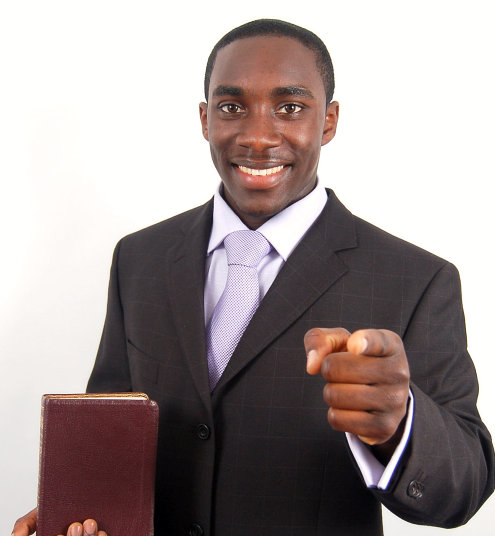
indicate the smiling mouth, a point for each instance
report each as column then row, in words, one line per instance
column 260, row 172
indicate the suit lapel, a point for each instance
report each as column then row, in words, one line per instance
column 186, row 284
column 312, row 268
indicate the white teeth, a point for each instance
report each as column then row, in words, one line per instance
column 263, row 172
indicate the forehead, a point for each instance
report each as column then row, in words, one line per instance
column 255, row 63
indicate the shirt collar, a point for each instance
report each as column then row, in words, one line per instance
column 284, row 231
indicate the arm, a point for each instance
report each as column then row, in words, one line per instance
column 110, row 374
column 447, row 470
column 111, row 369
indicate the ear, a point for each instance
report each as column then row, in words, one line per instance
column 203, row 116
column 331, row 120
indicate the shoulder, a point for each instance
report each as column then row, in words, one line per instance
column 372, row 238
column 397, row 267
column 377, row 251
column 171, row 230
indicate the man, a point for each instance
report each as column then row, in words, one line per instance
column 247, row 444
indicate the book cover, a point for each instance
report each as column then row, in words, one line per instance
column 97, row 460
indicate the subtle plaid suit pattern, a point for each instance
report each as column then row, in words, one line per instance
column 269, row 462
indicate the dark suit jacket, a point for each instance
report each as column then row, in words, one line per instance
column 257, row 457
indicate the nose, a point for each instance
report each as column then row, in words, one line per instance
column 258, row 131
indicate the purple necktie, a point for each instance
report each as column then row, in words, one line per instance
column 239, row 300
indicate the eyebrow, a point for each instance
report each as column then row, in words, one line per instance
column 233, row 91
column 236, row 91
column 299, row 91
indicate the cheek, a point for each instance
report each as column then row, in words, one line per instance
column 219, row 140
column 309, row 153
column 306, row 140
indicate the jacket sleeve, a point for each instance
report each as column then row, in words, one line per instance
column 447, row 471
column 111, row 369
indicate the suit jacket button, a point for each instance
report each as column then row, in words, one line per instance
column 196, row 530
column 415, row 489
column 203, row 432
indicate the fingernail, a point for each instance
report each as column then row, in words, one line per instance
column 75, row 530
column 311, row 358
column 364, row 345
column 89, row 528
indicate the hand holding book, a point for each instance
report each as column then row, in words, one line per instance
column 26, row 525
column 97, row 459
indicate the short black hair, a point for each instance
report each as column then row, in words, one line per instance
column 284, row 29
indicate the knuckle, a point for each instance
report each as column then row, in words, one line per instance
column 19, row 524
column 403, row 397
column 336, row 421
column 400, row 374
column 323, row 334
column 341, row 331
column 331, row 396
column 327, row 367
column 332, row 418
column 391, row 337
column 387, row 427
column 390, row 341
column 327, row 394
column 395, row 399
column 383, row 338
column 391, row 334
column 313, row 333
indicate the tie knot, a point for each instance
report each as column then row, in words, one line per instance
column 246, row 248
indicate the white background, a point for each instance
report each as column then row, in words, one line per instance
column 99, row 136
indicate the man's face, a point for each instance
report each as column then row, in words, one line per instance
column 266, row 120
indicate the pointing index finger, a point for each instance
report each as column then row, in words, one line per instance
column 319, row 342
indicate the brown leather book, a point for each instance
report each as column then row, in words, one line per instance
column 97, row 461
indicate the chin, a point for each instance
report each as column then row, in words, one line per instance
column 260, row 216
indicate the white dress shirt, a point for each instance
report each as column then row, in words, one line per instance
column 284, row 231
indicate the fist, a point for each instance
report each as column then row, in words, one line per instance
column 367, row 377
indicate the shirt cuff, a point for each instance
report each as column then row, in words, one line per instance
column 375, row 474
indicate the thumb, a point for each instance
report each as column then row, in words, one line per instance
column 26, row 524
column 374, row 342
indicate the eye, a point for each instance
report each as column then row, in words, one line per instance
column 290, row 108
column 231, row 108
